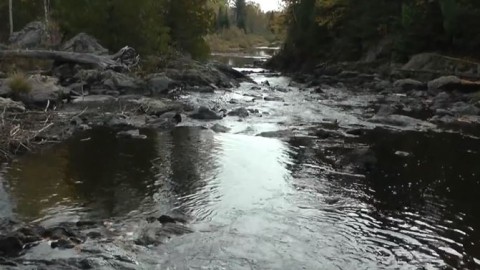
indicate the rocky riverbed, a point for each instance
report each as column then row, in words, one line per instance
column 213, row 168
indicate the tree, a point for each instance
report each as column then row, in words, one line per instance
column 241, row 14
column 10, row 15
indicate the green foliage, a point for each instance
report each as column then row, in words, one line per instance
column 19, row 84
column 241, row 14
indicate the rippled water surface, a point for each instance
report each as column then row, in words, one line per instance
column 265, row 203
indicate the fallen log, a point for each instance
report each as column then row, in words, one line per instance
column 120, row 61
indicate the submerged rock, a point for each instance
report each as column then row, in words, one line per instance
column 204, row 113
column 220, row 129
column 240, row 112
column 132, row 134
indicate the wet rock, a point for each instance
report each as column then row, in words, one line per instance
column 164, row 121
column 270, row 98
column 219, row 128
column 201, row 89
column 382, row 85
column 94, row 235
column 453, row 83
column 408, row 85
column 401, row 121
column 159, row 84
column 346, row 74
column 266, row 83
column 83, row 43
column 164, row 219
column 63, row 244
column 45, row 90
column 94, row 99
column 10, row 246
column 156, row 106
column 131, row 134
column 30, row 37
column 240, row 112
column 402, row 154
column 57, row 233
column 204, row 113
column 276, row 134
column 281, row 89
column 441, row 100
column 9, row 105
column 361, row 158
column 462, row 108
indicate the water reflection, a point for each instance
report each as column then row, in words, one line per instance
column 266, row 203
column 249, row 58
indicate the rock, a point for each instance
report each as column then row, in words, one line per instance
column 156, row 106
column 201, row 89
column 164, row 219
column 159, row 84
column 131, row 134
column 232, row 73
column 453, row 83
column 83, row 43
column 94, row 99
column 63, row 244
column 401, row 121
column 219, row 128
column 9, row 105
column 346, row 74
column 165, row 121
column 110, row 80
column 402, row 154
column 381, row 85
column 240, row 112
column 204, row 113
column 121, row 82
column 276, row 134
column 30, row 37
column 266, row 83
column 408, row 85
column 462, row 108
column 270, row 98
column 440, row 101
column 10, row 246
column 44, row 90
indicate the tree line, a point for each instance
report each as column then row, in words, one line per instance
column 151, row 26
column 351, row 29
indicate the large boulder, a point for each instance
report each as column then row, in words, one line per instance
column 30, row 37
column 44, row 90
column 159, row 84
column 453, row 83
column 83, row 43
column 408, row 85
column 109, row 80
column 204, row 113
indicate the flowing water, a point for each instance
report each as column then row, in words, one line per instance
column 267, row 203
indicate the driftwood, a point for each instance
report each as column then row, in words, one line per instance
column 123, row 60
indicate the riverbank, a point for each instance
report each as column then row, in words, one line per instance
column 259, row 163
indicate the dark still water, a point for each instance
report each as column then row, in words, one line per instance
column 262, row 203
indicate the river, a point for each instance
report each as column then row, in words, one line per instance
column 291, row 201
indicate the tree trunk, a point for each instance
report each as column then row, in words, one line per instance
column 10, row 15
column 123, row 60
column 45, row 8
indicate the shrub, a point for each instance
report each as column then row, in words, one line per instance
column 19, row 84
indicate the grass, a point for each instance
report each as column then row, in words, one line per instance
column 19, row 84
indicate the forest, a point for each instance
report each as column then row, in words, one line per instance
column 150, row 26
column 346, row 30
